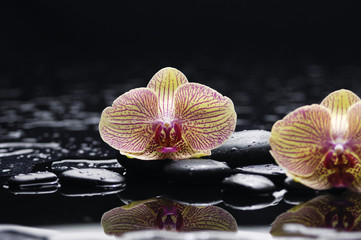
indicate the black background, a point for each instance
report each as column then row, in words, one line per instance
column 140, row 37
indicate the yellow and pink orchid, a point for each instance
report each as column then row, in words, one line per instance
column 320, row 145
column 170, row 118
column 164, row 214
column 341, row 213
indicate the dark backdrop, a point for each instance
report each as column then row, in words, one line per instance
column 137, row 38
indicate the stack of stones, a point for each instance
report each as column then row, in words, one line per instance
column 241, row 171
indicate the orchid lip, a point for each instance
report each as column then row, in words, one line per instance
column 168, row 149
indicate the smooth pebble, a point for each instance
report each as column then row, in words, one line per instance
column 245, row 148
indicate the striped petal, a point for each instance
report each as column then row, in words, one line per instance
column 128, row 218
column 153, row 152
column 319, row 179
column 299, row 141
column 207, row 118
column 207, row 218
column 303, row 214
column 339, row 102
column 129, row 124
column 164, row 83
column 354, row 144
column 341, row 213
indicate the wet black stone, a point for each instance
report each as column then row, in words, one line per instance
column 248, row 183
column 37, row 180
column 195, row 195
column 68, row 164
column 245, row 148
column 81, row 191
column 196, row 171
column 297, row 188
column 271, row 171
column 143, row 189
column 295, row 199
column 135, row 167
column 92, row 177
column 248, row 202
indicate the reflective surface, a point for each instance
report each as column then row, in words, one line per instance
column 339, row 212
column 62, row 64
column 164, row 214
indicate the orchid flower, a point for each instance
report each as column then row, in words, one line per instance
column 170, row 118
column 341, row 213
column 163, row 214
column 320, row 145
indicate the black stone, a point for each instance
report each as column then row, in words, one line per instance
column 271, row 171
column 81, row 191
column 92, row 177
column 140, row 190
column 248, row 183
column 297, row 188
column 248, row 202
column 295, row 199
column 196, row 171
column 135, row 167
column 198, row 195
column 245, row 148
column 37, row 180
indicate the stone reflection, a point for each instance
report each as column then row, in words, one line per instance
column 163, row 214
column 340, row 213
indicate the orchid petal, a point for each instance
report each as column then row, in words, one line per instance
column 129, row 124
column 354, row 126
column 186, row 151
column 153, row 152
column 354, row 144
column 120, row 220
column 305, row 215
column 207, row 218
column 164, row 83
column 319, row 179
column 298, row 142
column 339, row 103
column 207, row 118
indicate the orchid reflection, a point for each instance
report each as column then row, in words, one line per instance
column 341, row 213
column 164, row 214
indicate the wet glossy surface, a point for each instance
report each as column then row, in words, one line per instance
column 62, row 66
column 57, row 134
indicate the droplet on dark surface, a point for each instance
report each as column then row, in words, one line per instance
column 196, row 171
column 92, row 177
column 79, row 191
column 248, row 183
column 68, row 164
column 271, row 171
column 245, row 148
